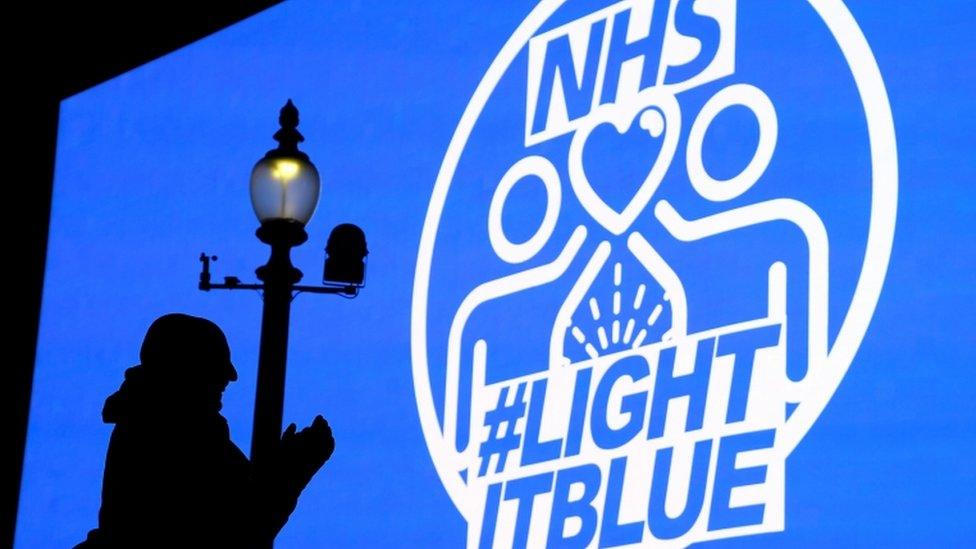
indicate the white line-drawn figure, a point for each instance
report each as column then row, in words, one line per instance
column 512, row 284
column 783, row 209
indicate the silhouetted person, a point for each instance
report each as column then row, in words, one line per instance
column 173, row 477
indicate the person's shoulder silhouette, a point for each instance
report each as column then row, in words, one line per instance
column 173, row 477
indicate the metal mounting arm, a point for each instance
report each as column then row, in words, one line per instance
column 234, row 283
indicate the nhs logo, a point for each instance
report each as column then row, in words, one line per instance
column 613, row 54
column 617, row 341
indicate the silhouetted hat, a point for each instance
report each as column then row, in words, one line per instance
column 187, row 345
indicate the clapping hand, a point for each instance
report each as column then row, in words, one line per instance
column 296, row 460
column 301, row 454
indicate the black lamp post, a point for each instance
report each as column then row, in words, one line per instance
column 284, row 193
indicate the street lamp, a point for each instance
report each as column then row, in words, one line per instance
column 285, row 183
column 284, row 193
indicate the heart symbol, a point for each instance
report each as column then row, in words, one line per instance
column 657, row 114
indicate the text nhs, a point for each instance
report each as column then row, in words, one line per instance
column 610, row 55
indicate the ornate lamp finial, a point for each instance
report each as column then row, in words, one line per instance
column 288, row 137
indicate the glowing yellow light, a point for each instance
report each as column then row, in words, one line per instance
column 285, row 170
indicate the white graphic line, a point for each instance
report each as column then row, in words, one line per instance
column 629, row 330
column 590, row 350
column 639, row 298
column 654, row 314
column 639, row 339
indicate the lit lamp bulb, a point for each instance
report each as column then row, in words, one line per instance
column 285, row 183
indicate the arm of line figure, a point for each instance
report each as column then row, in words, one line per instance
column 488, row 291
column 781, row 209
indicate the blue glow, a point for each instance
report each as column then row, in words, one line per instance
column 153, row 166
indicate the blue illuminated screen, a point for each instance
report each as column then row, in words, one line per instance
column 639, row 271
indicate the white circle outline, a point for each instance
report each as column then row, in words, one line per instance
column 754, row 99
column 881, row 228
column 507, row 250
